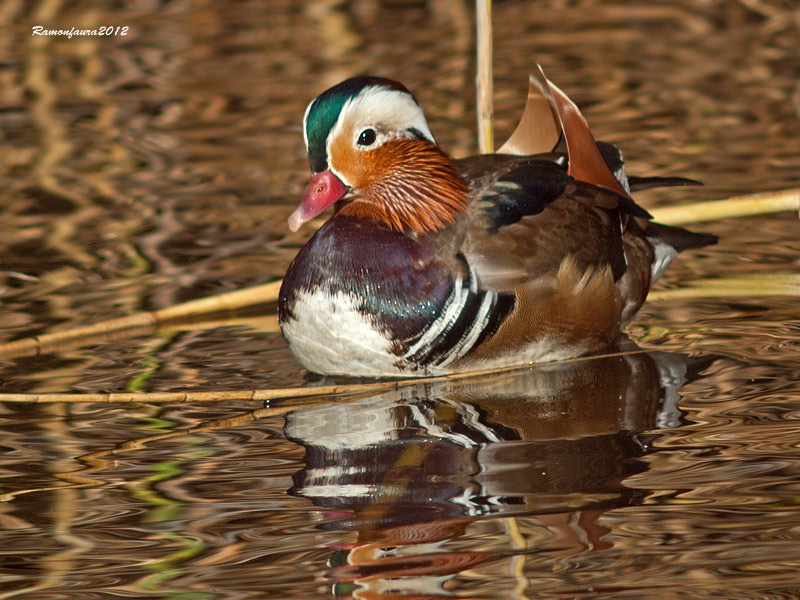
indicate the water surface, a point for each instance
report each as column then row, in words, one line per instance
column 146, row 170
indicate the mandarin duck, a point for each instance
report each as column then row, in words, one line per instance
column 431, row 265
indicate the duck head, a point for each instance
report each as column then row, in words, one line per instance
column 372, row 154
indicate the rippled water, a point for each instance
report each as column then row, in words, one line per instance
column 145, row 170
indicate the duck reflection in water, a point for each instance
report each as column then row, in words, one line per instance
column 410, row 469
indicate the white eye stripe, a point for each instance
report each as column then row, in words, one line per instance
column 391, row 113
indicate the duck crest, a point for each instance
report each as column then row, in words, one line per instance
column 419, row 188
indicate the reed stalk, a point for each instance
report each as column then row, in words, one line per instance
column 746, row 286
column 738, row 206
column 483, row 81
column 269, row 395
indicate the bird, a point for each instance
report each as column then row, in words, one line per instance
column 431, row 265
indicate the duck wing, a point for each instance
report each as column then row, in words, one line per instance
column 527, row 214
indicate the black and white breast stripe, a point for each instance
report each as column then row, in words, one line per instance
column 467, row 317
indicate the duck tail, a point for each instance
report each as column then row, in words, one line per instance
column 677, row 237
column 668, row 240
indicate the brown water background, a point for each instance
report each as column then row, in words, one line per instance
column 143, row 170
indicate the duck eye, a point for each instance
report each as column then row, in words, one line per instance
column 367, row 137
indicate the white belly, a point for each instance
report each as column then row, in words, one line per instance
column 330, row 336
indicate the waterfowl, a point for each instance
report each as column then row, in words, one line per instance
column 431, row 265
